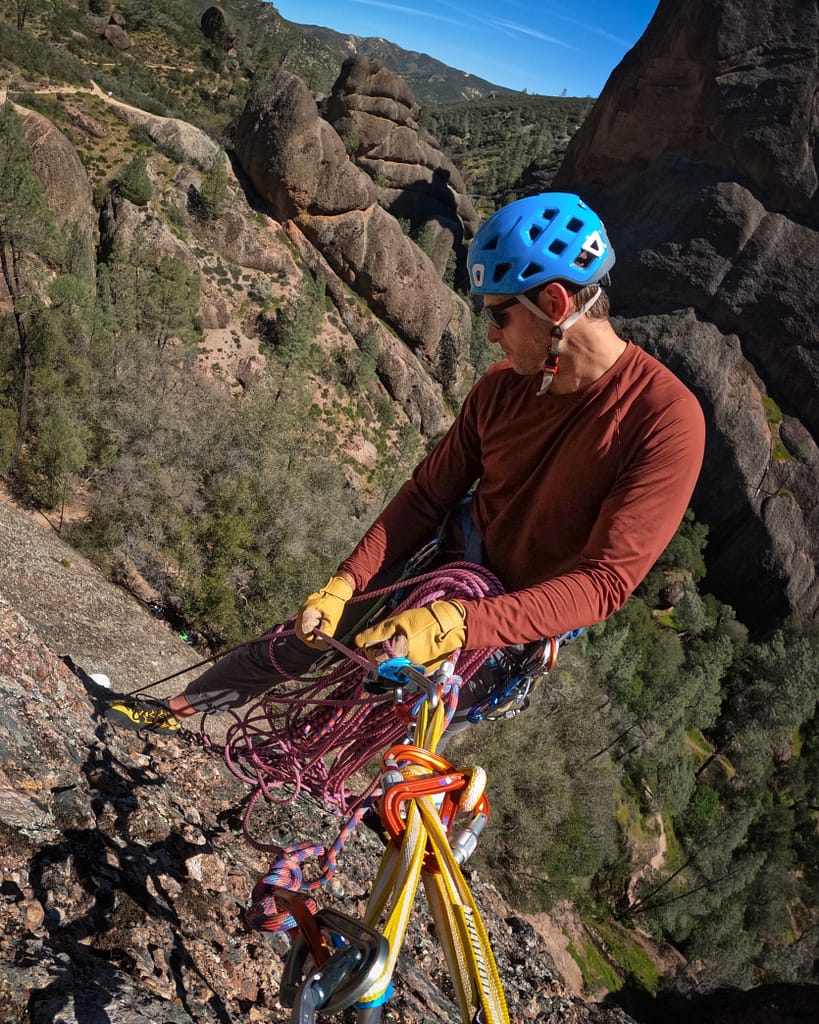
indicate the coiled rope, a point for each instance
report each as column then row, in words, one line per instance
column 312, row 734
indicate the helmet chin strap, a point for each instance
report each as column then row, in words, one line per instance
column 552, row 360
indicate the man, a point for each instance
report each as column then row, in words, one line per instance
column 585, row 450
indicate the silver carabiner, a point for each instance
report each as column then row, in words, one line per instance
column 343, row 978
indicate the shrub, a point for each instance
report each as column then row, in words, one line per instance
column 133, row 183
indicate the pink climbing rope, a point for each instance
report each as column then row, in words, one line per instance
column 312, row 734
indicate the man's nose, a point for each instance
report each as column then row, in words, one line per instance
column 494, row 333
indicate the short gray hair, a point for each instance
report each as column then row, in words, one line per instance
column 601, row 309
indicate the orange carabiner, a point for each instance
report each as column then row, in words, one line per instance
column 389, row 806
column 306, row 922
column 407, row 753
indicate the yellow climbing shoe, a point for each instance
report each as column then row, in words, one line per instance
column 142, row 715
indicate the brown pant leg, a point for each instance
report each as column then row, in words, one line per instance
column 246, row 673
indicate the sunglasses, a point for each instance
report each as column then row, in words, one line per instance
column 498, row 314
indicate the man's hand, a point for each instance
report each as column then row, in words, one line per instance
column 432, row 632
column 323, row 610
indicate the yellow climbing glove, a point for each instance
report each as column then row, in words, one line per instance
column 323, row 610
column 432, row 633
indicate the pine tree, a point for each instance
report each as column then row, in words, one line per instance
column 213, row 191
column 27, row 236
column 133, row 182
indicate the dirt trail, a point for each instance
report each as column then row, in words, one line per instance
column 558, row 929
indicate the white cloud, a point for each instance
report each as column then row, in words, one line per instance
column 525, row 30
column 401, row 9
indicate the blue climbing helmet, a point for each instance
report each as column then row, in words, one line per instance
column 549, row 237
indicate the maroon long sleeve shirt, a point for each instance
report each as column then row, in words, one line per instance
column 577, row 494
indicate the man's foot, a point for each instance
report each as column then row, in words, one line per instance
column 142, row 715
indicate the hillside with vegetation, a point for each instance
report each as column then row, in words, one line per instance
column 430, row 79
column 666, row 778
column 506, row 146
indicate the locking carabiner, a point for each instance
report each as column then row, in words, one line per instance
column 355, row 956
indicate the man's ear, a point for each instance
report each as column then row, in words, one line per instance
column 556, row 302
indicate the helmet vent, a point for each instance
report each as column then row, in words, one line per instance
column 532, row 268
column 501, row 270
column 549, row 214
column 574, row 225
column 557, row 247
column 535, row 232
column 492, row 243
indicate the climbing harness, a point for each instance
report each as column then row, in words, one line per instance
column 336, row 962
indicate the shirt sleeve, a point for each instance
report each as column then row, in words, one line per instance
column 635, row 524
column 416, row 512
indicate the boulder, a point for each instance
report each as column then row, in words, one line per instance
column 218, row 28
column 117, row 37
column 700, row 155
column 186, row 142
column 294, row 159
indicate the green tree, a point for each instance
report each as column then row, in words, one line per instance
column 296, row 328
column 369, row 347
column 59, row 457
column 214, row 187
column 133, row 183
column 27, row 237
column 167, row 298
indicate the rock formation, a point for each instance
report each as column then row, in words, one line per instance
column 298, row 164
column 126, row 225
column 701, row 157
column 112, row 30
column 185, row 141
column 61, row 174
column 218, row 28
column 375, row 112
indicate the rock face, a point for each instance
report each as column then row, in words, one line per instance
column 63, row 177
column 701, row 157
column 375, row 112
column 399, row 369
column 122, row 223
column 218, row 28
column 185, row 141
column 298, row 164
column 125, row 871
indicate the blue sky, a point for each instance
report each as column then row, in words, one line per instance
column 544, row 47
